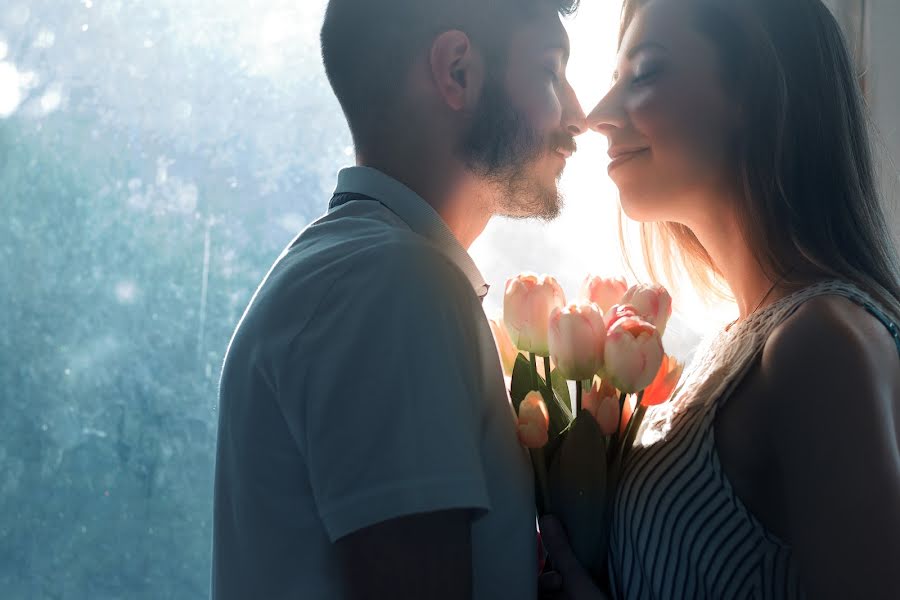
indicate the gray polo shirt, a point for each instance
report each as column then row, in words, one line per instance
column 362, row 384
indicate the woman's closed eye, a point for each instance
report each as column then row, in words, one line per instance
column 646, row 74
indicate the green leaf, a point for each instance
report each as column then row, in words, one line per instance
column 557, row 407
column 561, row 387
column 554, row 444
column 560, row 413
column 579, row 491
column 522, row 382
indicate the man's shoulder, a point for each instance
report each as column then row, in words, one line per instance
column 364, row 251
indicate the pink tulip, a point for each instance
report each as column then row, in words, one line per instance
column 577, row 338
column 505, row 347
column 652, row 302
column 617, row 312
column 603, row 291
column 602, row 402
column 527, row 305
column 668, row 376
column 534, row 421
column 634, row 353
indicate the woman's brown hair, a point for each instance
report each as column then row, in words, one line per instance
column 809, row 205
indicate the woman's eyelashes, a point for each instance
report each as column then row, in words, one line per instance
column 645, row 74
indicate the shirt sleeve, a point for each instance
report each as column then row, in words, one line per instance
column 389, row 410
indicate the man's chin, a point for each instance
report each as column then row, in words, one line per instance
column 530, row 199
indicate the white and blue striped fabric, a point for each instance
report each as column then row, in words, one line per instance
column 679, row 530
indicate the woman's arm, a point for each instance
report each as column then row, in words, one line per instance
column 832, row 379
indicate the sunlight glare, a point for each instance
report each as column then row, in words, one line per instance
column 10, row 89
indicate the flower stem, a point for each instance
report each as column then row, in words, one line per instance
column 633, row 425
column 534, row 373
column 579, row 391
column 547, row 371
column 623, row 398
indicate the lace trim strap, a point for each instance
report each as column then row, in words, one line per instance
column 891, row 326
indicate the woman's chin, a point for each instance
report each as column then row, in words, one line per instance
column 639, row 209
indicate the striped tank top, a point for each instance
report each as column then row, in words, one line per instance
column 678, row 528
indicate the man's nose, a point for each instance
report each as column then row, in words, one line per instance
column 573, row 116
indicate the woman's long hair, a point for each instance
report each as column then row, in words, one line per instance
column 810, row 204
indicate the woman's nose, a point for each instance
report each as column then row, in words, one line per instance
column 608, row 115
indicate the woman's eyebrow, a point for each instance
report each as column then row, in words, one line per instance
column 644, row 46
column 635, row 50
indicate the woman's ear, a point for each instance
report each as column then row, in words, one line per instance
column 457, row 70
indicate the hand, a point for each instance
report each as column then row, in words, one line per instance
column 570, row 581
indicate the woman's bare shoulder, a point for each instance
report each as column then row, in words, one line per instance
column 835, row 339
column 832, row 367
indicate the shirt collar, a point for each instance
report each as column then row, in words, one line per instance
column 415, row 212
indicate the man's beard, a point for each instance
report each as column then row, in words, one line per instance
column 502, row 148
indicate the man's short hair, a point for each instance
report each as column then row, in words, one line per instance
column 368, row 46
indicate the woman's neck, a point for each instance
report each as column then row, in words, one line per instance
column 750, row 284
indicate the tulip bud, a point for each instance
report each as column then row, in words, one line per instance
column 505, row 347
column 527, row 305
column 603, row 291
column 619, row 311
column 667, row 378
column 603, row 404
column 652, row 302
column 634, row 353
column 577, row 337
column 534, row 421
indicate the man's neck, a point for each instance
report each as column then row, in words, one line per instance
column 446, row 186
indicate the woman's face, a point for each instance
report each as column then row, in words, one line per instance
column 668, row 119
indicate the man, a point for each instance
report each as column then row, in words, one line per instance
column 367, row 448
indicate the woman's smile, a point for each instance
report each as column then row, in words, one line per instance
column 621, row 157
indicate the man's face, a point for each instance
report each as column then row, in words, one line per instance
column 523, row 130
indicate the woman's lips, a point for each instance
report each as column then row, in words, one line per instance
column 624, row 157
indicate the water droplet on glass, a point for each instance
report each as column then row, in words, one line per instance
column 126, row 292
column 51, row 101
column 45, row 39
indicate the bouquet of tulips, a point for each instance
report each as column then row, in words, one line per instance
column 610, row 345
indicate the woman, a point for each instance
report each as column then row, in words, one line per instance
column 739, row 142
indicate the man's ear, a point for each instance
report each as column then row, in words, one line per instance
column 457, row 70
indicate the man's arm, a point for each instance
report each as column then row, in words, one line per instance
column 389, row 420
column 418, row 556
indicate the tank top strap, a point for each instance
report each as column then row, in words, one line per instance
column 733, row 352
column 892, row 327
column 852, row 293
